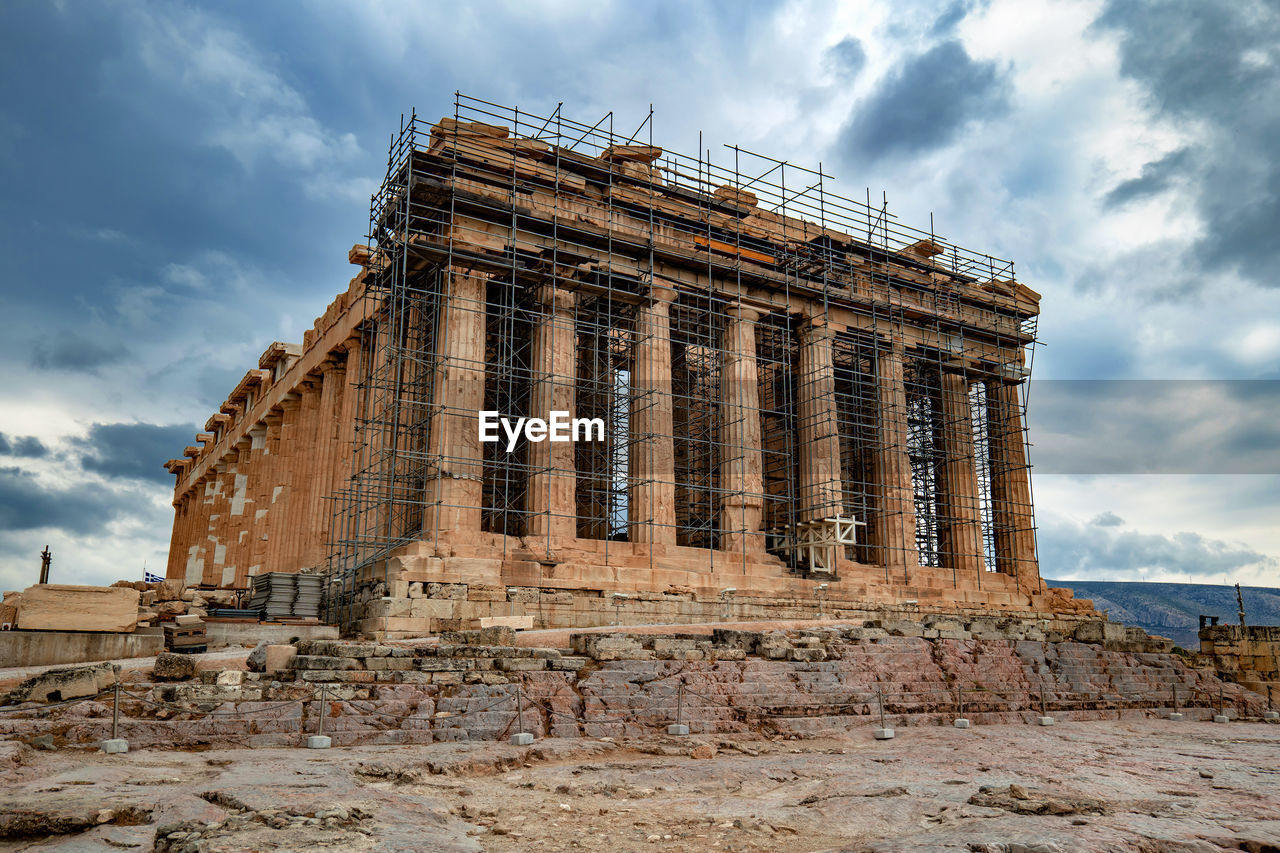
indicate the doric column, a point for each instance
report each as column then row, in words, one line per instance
column 551, row 490
column 240, row 514
column 345, row 441
column 263, row 483
column 284, row 478
column 216, row 554
column 741, row 462
column 221, row 529
column 1012, row 520
column 818, row 427
column 302, row 476
column 315, row 548
column 198, row 542
column 894, row 525
column 960, row 536
column 177, row 538
column 453, row 493
column 652, row 502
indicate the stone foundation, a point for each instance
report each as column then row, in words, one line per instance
column 473, row 685
column 414, row 594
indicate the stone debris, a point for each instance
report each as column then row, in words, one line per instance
column 1019, row 800
column 331, row 826
column 18, row 824
column 56, row 685
column 171, row 666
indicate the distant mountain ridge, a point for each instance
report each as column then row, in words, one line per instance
column 1173, row 609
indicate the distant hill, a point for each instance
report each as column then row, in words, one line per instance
column 1173, row 609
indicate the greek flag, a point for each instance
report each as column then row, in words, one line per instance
column 147, row 577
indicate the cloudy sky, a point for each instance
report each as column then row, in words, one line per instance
column 181, row 184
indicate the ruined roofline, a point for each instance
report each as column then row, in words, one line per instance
column 770, row 189
column 482, row 182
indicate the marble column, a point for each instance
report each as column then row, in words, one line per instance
column 652, row 501
column 818, row 426
column 282, row 494
column 240, row 513
column 177, row 538
column 263, row 483
column 551, row 491
column 198, row 550
column 454, row 489
column 320, row 508
column 741, row 460
column 302, row 476
column 894, row 525
column 1012, row 520
column 960, row 536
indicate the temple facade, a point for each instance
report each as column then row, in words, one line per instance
column 800, row 405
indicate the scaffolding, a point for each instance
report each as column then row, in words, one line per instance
column 529, row 227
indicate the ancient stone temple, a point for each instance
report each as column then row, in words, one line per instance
column 787, row 402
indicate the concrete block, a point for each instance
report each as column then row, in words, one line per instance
column 521, row 739
column 1221, row 718
column 319, row 742
column 114, row 746
column 676, row 729
column 1175, row 717
column 1271, row 715
column 962, row 723
column 1044, row 721
column 883, row 734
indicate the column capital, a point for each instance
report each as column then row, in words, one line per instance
column 818, row 327
column 660, row 295
column 555, row 298
column 743, row 313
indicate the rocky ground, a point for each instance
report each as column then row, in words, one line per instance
column 1147, row 785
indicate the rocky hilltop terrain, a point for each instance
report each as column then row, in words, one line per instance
column 1173, row 609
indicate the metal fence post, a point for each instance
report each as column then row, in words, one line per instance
column 115, row 744
column 884, row 732
column 521, row 737
column 678, row 727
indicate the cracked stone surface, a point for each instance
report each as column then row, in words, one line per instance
column 1146, row 785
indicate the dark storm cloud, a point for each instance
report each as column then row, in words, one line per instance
column 1216, row 65
column 135, row 450
column 72, row 352
column 22, row 446
column 1155, row 426
column 922, row 105
column 847, row 58
column 1156, row 177
column 26, row 504
column 1068, row 549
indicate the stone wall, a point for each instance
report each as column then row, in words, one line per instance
column 474, row 685
column 421, row 597
column 1251, row 659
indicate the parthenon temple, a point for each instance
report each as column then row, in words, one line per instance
column 807, row 406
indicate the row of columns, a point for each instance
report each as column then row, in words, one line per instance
column 262, row 507
column 455, row 492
